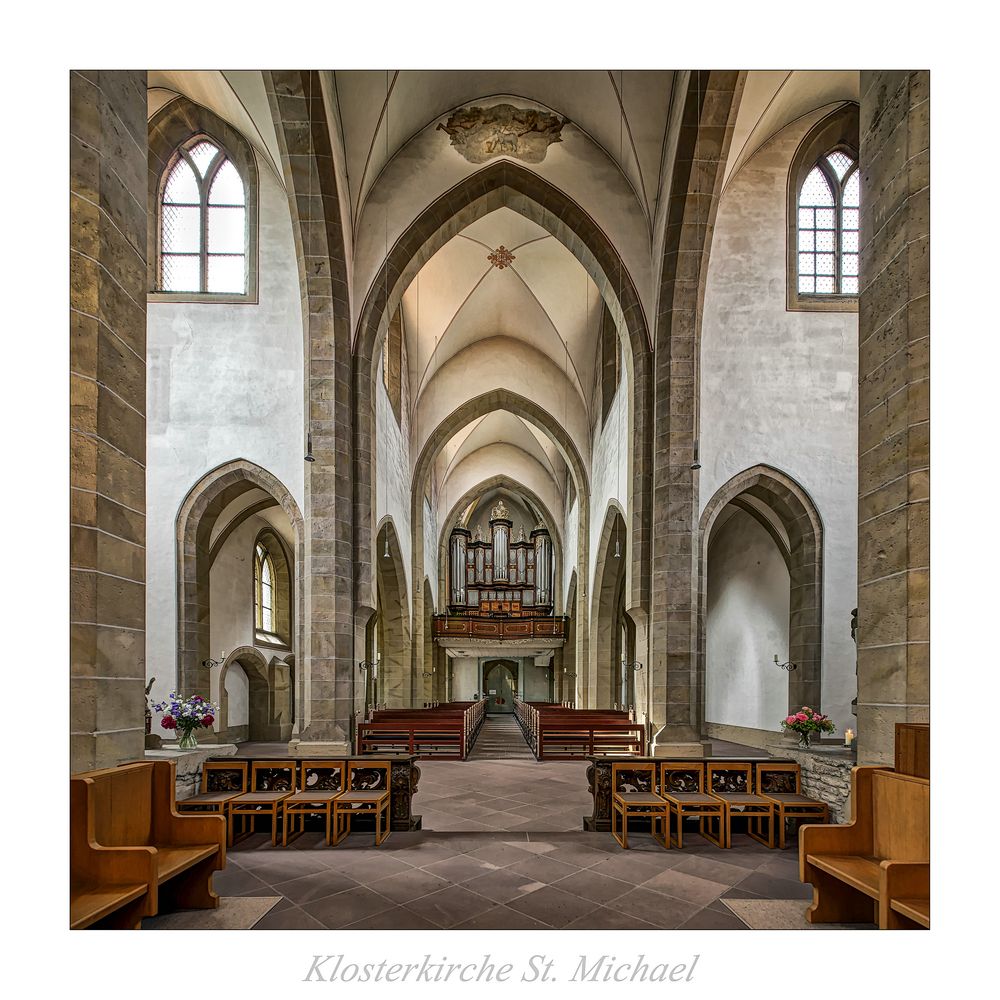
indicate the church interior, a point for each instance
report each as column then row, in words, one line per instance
column 499, row 499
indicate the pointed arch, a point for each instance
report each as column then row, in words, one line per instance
column 196, row 518
column 800, row 521
column 396, row 690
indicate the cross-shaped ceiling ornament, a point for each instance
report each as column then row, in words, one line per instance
column 501, row 258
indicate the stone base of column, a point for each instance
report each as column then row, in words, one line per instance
column 318, row 748
column 681, row 750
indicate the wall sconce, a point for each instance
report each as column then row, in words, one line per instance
column 210, row 663
column 634, row 666
column 696, row 464
column 371, row 665
column 568, row 672
column 789, row 666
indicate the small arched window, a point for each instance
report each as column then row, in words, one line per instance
column 203, row 234
column 828, row 211
column 264, row 594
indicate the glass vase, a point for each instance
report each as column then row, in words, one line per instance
column 188, row 740
column 805, row 740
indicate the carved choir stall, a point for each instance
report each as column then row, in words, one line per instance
column 500, row 588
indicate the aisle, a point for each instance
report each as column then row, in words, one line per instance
column 501, row 739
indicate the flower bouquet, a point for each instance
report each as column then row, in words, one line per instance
column 187, row 716
column 805, row 722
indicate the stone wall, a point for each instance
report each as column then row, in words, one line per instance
column 189, row 764
column 894, row 429
column 107, row 416
column 826, row 775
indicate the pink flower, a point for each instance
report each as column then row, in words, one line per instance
column 790, row 719
column 801, row 717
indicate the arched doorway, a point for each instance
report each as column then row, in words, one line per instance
column 395, row 686
column 500, row 685
column 255, row 698
column 613, row 644
column 763, row 533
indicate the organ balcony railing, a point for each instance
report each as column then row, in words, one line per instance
column 498, row 627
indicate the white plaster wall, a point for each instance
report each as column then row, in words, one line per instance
column 238, row 696
column 224, row 381
column 571, row 536
column 534, row 684
column 780, row 388
column 430, row 528
column 609, row 473
column 464, row 678
column 392, row 478
column 746, row 625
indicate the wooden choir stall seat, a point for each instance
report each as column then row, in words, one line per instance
column 132, row 854
column 732, row 783
column 875, row 869
column 320, row 783
column 633, row 794
column 781, row 784
column 682, row 784
column 271, row 783
column 221, row 782
column 367, row 793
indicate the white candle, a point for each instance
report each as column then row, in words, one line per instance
column 848, row 737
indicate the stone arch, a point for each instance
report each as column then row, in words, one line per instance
column 396, row 690
column 608, row 610
column 800, row 519
column 488, row 484
column 510, row 185
column 196, row 518
column 270, row 696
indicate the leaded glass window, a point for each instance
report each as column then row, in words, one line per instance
column 828, row 209
column 263, row 590
column 203, row 222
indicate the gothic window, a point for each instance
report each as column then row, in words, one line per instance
column 203, row 222
column 823, row 216
column 264, row 593
column 828, row 210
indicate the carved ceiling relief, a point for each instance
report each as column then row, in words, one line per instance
column 480, row 134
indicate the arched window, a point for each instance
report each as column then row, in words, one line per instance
column 264, row 594
column 823, row 210
column 203, row 222
column 828, row 211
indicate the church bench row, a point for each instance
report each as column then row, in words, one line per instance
column 765, row 795
column 287, row 792
column 446, row 731
column 875, row 869
column 557, row 733
column 132, row 853
column 224, row 775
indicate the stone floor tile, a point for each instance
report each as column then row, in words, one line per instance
column 451, row 906
column 709, row 919
column 711, row 868
column 405, row 886
column 655, row 908
column 458, row 869
column 590, row 885
column 503, row 885
column 553, row 906
column 605, row 918
column 771, row 887
column 502, row 918
column 399, row 918
column 287, row 919
column 311, row 887
column 347, row 907
column 543, row 869
column 692, row 888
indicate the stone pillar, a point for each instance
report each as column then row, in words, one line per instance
column 710, row 105
column 329, row 676
column 894, row 415
column 108, row 151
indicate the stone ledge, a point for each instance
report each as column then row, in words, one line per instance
column 189, row 763
column 826, row 773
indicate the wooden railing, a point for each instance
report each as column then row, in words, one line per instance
column 499, row 628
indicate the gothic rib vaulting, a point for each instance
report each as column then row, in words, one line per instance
column 583, row 388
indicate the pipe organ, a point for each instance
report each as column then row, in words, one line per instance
column 498, row 575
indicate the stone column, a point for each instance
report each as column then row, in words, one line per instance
column 108, row 150
column 894, row 415
column 329, row 676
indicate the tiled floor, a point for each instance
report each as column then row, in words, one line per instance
column 502, row 847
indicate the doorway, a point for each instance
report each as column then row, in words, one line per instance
column 500, row 685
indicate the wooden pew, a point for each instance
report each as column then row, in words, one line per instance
column 557, row 733
column 875, row 869
column 132, row 853
column 446, row 732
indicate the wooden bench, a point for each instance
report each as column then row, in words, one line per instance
column 132, row 854
column 446, row 731
column 875, row 869
column 557, row 733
